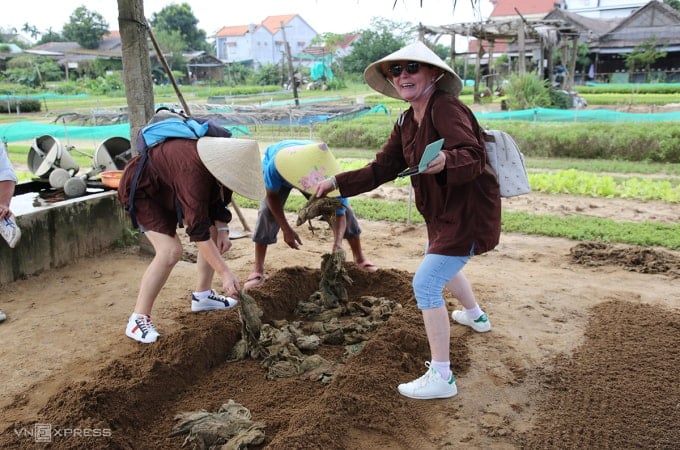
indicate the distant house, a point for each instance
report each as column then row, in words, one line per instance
column 528, row 9
column 605, row 14
column 15, row 38
column 604, row 9
column 263, row 43
column 7, row 52
column 532, row 43
column 233, row 44
column 510, row 10
column 202, row 67
column 345, row 47
column 70, row 55
column 342, row 49
column 654, row 22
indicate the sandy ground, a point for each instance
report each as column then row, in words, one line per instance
column 583, row 352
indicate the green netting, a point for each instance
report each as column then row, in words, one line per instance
column 27, row 131
column 321, row 70
column 43, row 96
column 578, row 115
column 631, row 86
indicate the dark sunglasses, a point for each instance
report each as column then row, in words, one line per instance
column 412, row 67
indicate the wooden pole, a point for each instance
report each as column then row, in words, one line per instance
column 164, row 63
column 522, row 49
column 478, row 75
column 291, row 72
column 571, row 81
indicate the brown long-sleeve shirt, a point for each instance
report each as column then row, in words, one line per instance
column 175, row 172
column 462, row 204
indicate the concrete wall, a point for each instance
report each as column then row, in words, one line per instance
column 54, row 236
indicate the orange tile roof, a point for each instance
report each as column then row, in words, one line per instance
column 238, row 30
column 498, row 47
column 273, row 23
column 507, row 7
column 348, row 39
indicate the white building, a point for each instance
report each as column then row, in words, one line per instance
column 264, row 43
column 604, row 9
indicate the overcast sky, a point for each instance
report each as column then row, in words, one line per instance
column 336, row 16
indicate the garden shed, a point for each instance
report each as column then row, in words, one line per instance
column 204, row 68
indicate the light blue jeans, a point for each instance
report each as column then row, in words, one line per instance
column 433, row 274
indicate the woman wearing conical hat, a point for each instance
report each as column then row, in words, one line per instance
column 188, row 183
column 456, row 193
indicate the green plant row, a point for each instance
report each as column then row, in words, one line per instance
column 579, row 228
column 595, row 185
column 577, row 177
column 630, row 99
column 351, row 88
column 630, row 88
column 14, row 106
column 641, row 141
column 348, row 160
column 577, row 182
column 605, row 165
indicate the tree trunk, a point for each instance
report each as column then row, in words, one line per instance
column 136, row 64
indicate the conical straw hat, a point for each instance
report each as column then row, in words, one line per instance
column 305, row 166
column 235, row 163
column 376, row 78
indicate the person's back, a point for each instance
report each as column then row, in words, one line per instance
column 272, row 177
column 298, row 164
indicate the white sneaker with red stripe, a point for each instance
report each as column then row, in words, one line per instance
column 141, row 329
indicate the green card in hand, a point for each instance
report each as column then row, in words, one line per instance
column 430, row 153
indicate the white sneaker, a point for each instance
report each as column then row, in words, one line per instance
column 481, row 324
column 431, row 385
column 10, row 230
column 141, row 329
column 3, row 316
column 212, row 302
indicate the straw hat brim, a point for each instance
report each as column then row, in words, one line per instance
column 305, row 166
column 235, row 163
column 375, row 72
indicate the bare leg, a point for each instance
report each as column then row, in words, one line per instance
column 472, row 315
column 438, row 332
column 260, row 255
column 257, row 277
column 460, row 287
column 359, row 258
column 339, row 227
column 205, row 272
column 168, row 253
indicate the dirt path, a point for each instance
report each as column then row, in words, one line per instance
column 583, row 349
